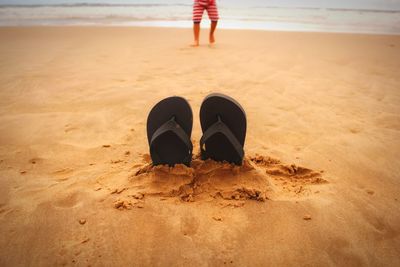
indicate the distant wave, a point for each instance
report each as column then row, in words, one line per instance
column 181, row 4
column 363, row 10
column 90, row 5
column 332, row 9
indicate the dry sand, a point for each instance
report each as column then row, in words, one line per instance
column 319, row 185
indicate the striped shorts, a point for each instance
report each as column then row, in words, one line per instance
column 198, row 10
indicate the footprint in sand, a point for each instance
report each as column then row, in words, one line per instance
column 340, row 254
column 383, row 228
column 189, row 225
column 68, row 200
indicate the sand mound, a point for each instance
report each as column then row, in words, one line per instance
column 289, row 180
column 203, row 180
column 260, row 178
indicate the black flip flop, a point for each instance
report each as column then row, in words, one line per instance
column 169, row 127
column 223, row 122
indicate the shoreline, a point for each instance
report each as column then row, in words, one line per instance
column 203, row 28
column 233, row 15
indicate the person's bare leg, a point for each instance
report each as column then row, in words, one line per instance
column 212, row 30
column 196, row 33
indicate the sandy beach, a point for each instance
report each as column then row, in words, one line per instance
column 320, row 183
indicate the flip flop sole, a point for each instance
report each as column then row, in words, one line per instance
column 233, row 116
column 169, row 148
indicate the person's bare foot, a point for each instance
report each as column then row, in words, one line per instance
column 212, row 39
column 195, row 44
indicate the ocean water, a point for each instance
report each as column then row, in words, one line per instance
column 359, row 16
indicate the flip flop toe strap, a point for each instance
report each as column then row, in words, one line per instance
column 220, row 127
column 170, row 126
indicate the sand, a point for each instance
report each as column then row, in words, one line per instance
column 320, row 181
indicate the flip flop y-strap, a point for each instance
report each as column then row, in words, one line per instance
column 220, row 127
column 170, row 126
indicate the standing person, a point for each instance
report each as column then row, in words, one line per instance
column 198, row 9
